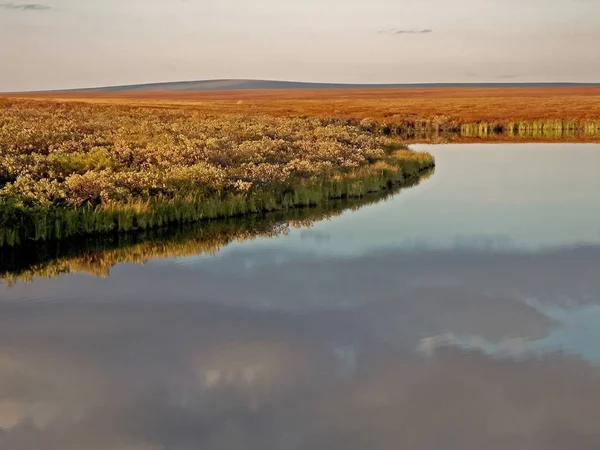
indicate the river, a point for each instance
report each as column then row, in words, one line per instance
column 461, row 313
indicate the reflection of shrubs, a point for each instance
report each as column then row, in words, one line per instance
column 135, row 167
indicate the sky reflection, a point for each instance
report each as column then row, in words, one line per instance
column 485, row 336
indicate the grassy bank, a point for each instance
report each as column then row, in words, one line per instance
column 449, row 130
column 79, row 169
column 96, row 255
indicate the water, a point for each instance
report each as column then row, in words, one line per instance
column 463, row 313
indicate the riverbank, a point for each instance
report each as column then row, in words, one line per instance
column 96, row 255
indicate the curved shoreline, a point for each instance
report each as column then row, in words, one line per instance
column 96, row 254
column 57, row 224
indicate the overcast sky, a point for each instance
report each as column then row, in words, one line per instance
column 75, row 43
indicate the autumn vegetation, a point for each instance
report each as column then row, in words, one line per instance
column 70, row 169
column 413, row 114
column 75, row 164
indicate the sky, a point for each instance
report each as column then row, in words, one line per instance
column 59, row 44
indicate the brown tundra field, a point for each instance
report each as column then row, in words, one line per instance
column 459, row 105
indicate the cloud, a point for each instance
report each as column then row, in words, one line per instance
column 402, row 31
column 25, row 6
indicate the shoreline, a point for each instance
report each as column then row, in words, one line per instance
column 96, row 254
column 59, row 224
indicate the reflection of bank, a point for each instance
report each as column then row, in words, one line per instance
column 96, row 255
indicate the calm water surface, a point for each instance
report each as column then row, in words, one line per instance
column 463, row 313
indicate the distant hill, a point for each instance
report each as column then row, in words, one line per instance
column 230, row 85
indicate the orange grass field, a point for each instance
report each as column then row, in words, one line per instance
column 458, row 105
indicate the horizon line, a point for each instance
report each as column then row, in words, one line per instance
column 304, row 84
